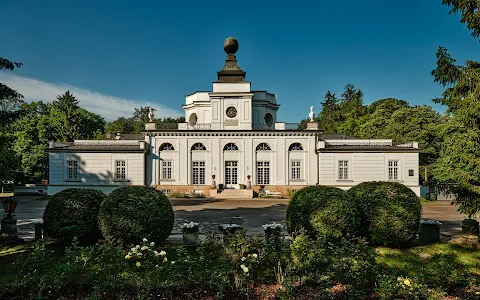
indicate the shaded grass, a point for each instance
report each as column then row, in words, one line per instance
column 447, row 266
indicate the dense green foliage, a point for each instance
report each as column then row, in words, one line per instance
column 135, row 211
column 321, row 210
column 73, row 213
column 5, row 91
column 136, row 123
column 305, row 269
column 384, row 119
column 390, row 212
column 457, row 169
column 349, row 260
column 468, row 10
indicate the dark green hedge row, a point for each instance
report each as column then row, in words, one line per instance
column 385, row 213
column 127, row 214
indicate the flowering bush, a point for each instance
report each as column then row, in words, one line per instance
column 189, row 227
column 272, row 227
column 229, row 228
column 431, row 222
column 144, row 256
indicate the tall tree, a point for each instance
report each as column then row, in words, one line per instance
column 71, row 122
column 5, row 91
column 457, row 170
column 469, row 11
column 328, row 114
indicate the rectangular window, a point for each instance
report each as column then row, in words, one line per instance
column 198, row 172
column 263, row 172
column 295, row 169
column 393, row 170
column 167, row 169
column 72, row 169
column 410, row 172
column 121, row 169
column 343, row 170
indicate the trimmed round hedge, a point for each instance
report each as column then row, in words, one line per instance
column 131, row 213
column 322, row 210
column 73, row 213
column 390, row 212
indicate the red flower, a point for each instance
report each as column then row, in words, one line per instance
column 385, row 267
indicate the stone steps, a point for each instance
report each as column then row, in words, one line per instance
column 231, row 194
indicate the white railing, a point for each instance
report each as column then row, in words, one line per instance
column 53, row 144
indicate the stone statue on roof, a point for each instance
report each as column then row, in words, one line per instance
column 151, row 116
column 311, row 115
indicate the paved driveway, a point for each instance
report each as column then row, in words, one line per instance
column 253, row 212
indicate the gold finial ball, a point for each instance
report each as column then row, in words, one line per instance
column 230, row 45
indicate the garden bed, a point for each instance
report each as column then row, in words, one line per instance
column 212, row 272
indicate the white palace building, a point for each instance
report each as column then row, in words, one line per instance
column 232, row 145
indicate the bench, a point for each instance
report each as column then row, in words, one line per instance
column 196, row 192
column 269, row 193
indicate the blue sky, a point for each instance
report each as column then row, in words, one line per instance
column 117, row 55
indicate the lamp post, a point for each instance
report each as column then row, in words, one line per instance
column 9, row 223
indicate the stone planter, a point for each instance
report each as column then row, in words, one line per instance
column 190, row 239
column 229, row 232
column 429, row 233
column 470, row 227
column 273, row 236
column 9, row 228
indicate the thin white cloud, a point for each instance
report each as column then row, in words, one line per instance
column 107, row 106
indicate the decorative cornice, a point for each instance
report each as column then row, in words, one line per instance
column 234, row 133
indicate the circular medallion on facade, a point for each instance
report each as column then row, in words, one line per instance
column 231, row 112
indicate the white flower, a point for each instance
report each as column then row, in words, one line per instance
column 244, row 268
column 272, row 226
column 155, row 252
column 137, row 246
column 243, row 258
column 144, row 248
column 133, row 249
column 254, row 255
column 163, row 253
column 430, row 222
column 145, row 240
column 128, row 256
column 165, row 259
column 227, row 226
column 139, row 254
column 152, row 244
column 190, row 225
column 172, row 262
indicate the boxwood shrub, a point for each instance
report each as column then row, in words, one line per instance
column 390, row 212
column 131, row 213
column 322, row 210
column 73, row 213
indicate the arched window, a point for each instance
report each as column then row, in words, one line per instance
column 263, row 147
column 295, row 147
column 166, row 147
column 198, row 146
column 230, row 147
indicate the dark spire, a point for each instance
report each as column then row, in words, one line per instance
column 231, row 71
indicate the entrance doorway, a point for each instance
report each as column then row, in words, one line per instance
column 231, row 174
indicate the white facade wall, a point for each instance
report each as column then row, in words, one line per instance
column 368, row 166
column 215, row 158
column 96, row 170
